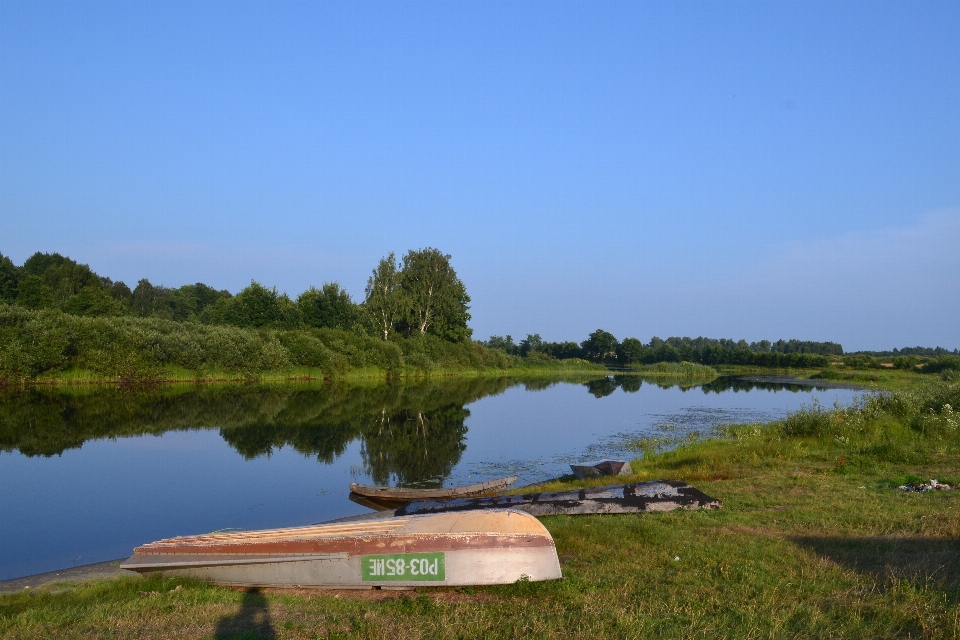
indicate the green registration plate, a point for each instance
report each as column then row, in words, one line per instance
column 410, row 567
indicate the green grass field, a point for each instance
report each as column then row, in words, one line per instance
column 811, row 542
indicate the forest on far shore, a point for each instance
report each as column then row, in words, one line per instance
column 57, row 314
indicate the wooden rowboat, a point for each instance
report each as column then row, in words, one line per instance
column 483, row 547
column 390, row 498
column 659, row 495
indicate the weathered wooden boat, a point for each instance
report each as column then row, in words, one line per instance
column 389, row 498
column 660, row 495
column 497, row 546
column 601, row 468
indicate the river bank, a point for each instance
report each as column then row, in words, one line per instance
column 359, row 375
column 813, row 540
column 686, row 373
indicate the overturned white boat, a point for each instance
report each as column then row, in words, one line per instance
column 490, row 546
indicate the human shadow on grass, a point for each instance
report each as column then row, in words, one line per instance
column 252, row 621
column 922, row 562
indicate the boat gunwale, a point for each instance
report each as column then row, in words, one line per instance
column 372, row 491
column 357, row 544
column 215, row 559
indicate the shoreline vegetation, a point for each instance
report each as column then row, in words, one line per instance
column 682, row 370
column 62, row 323
column 813, row 540
column 53, row 347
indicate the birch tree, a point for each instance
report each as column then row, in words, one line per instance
column 436, row 299
column 384, row 300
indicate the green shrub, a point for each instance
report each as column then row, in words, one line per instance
column 35, row 343
column 453, row 355
column 48, row 341
column 307, row 350
column 943, row 363
column 16, row 364
column 360, row 350
column 421, row 361
column 905, row 362
column 540, row 358
column 861, row 361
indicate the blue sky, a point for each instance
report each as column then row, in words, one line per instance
column 738, row 169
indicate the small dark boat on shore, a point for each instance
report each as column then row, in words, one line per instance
column 389, row 498
column 660, row 495
column 602, row 468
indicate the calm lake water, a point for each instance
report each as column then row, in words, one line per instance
column 86, row 475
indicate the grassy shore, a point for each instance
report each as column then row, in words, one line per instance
column 686, row 370
column 178, row 375
column 812, row 541
column 889, row 379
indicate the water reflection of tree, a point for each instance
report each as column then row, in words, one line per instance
column 731, row 383
column 256, row 420
column 602, row 387
column 411, row 433
column 316, row 420
column 415, row 447
column 630, row 384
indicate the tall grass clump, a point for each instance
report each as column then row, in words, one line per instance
column 886, row 427
column 812, row 421
column 872, row 414
column 877, row 429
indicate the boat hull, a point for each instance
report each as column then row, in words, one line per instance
column 500, row 547
column 466, row 567
column 391, row 498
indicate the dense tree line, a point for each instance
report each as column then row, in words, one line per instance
column 57, row 314
column 937, row 364
column 912, row 351
column 421, row 295
column 602, row 346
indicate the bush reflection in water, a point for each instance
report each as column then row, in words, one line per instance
column 411, row 434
